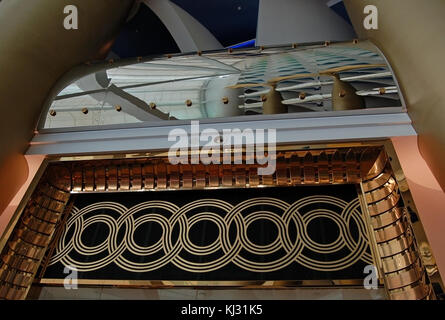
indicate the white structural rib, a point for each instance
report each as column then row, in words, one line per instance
column 311, row 84
column 313, row 98
column 329, row 82
column 187, row 32
column 311, row 127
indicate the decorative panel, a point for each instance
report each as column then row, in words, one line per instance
column 275, row 233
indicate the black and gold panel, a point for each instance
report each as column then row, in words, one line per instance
column 273, row 233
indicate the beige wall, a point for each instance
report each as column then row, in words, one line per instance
column 36, row 50
column 411, row 35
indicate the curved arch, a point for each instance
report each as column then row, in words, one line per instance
column 189, row 34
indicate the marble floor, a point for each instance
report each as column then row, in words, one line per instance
column 107, row 293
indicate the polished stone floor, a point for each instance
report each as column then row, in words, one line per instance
column 107, row 293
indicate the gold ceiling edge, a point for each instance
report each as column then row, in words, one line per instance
column 320, row 166
column 164, row 153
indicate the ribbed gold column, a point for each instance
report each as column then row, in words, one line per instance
column 404, row 275
column 24, row 251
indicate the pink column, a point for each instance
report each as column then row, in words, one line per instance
column 427, row 194
column 33, row 165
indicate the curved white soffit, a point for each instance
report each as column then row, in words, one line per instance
column 188, row 33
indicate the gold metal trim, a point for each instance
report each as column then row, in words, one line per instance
column 402, row 270
column 164, row 153
column 387, row 218
column 186, row 283
column 27, row 244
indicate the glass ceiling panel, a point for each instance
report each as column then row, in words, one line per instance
column 238, row 83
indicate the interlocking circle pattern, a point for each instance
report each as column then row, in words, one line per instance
column 226, row 249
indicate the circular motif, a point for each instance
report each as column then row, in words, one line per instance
column 231, row 243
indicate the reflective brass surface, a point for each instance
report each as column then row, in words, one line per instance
column 405, row 277
column 402, row 270
column 27, row 245
column 416, row 229
column 203, row 284
column 376, row 182
column 386, row 218
column 382, row 192
column 394, row 246
column 327, row 166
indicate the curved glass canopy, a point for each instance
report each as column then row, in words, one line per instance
column 229, row 83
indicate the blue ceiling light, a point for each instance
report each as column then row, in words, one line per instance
column 245, row 44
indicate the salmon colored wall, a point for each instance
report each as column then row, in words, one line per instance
column 427, row 194
column 14, row 172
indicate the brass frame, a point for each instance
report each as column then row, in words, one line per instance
column 400, row 264
column 417, row 229
column 359, row 164
column 33, row 231
column 208, row 284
